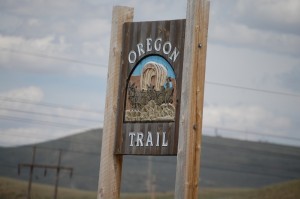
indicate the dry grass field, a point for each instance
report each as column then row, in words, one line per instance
column 14, row 189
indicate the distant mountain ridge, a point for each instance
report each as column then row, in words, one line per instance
column 224, row 163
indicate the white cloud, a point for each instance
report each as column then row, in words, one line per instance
column 33, row 22
column 32, row 93
column 80, row 31
column 96, row 36
column 45, row 44
column 268, row 25
column 46, row 55
column 38, row 8
column 29, row 122
column 280, row 15
column 25, row 109
column 155, row 9
column 234, row 34
column 94, row 28
column 245, row 118
column 11, row 100
column 21, row 53
column 31, row 135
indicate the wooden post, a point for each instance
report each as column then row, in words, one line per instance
column 111, row 165
column 57, row 174
column 31, row 173
column 192, row 94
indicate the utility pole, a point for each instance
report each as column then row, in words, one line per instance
column 57, row 174
column 151, row 179
column 34, row 165
column 31, row 173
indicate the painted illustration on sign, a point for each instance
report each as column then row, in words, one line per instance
column 151, row 91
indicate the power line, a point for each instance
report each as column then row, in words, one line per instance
column 105, row 66
column 227, row 169
column 72, row 151
column 33, row 165
column 63, row 139
column 52, row 57
column 76, row 175
column 253, row 89
column 8, row 166
column 46, row 114
column 266, row 153
column 47, row 104
column 35, row 137
column 254, row 133
column 212, row 127
column 249, row 172
column 220, row 168
column 39, row 122
column 208, row 146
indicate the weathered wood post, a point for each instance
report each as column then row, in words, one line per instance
column 111, row 164
column 155, row 95
column 192, row 94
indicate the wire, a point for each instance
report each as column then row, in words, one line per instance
column 105, row 66
column 39, row 122
column 72, row 151
column 47, row 104
column 229, row 169
column 249, row 172
column 52, row 139
column 255, row 133
column 53, row 57
column 221, row 147
column 218, row 168
column 226, row 169
column 213, row 127
column 208, row 145
column 202, row 166
column 50, row 115
column 252, row 89
column 8, row 166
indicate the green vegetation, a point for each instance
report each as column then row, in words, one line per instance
column 15, row 189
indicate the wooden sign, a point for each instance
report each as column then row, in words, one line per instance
column 149, row 102
column 154, row 95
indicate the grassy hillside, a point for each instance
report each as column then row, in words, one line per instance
column 14, row 189
column 225, row 163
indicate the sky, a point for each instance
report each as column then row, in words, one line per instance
column 54, row 61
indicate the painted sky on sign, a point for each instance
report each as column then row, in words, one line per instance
column 154, row 58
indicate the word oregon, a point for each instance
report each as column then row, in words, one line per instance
column 156, row 45
column 138, row 139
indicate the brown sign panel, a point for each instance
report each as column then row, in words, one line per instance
column 149, row 105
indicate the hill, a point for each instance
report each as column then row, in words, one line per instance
column 224, row 163
column 10, row 188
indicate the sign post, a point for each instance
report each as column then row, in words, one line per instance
column 193, row 77
column 154, row 99
column 111, row 164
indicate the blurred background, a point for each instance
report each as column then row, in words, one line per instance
column 53, row 63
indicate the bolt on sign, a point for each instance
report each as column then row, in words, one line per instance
column 149, row 103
